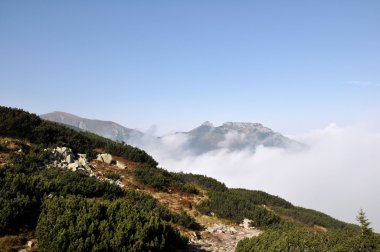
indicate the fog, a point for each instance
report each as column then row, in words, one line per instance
column 337, row 174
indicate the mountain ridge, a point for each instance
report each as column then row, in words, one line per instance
column 107, row 129
column 232, row 136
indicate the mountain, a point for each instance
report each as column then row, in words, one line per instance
column 235, row 136
column 107, row 129
column 231, row 136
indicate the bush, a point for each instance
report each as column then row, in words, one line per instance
column 237, row 204
column 203, row 181
column 296, row 238
column 162, row 180
column 186, row 221
column 77, row 224
column 311, row 217
column 153, row 177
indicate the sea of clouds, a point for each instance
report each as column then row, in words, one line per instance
column 338, row 173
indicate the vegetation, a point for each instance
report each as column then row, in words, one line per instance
column 77, row 224
column 162, row 180
column 291, row 237
column 112, row 176
column 311, row 217
column 203, row 181
column 78, row 208
column 186, row 221
column 237, row 204
column 20, row 124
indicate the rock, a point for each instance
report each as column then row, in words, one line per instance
column 120, row 165
column 246, row 224
column 73, row 166
column 31, row 244
column 63, row 154
column 105, row 157
column 82, row 160
column 69, row 158
column 88, row 167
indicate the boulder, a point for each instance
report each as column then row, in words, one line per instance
column 63, row 154
column 120, row 165
column 105, row 157
column 82, row 160
column 73, row 166
column 69, row 158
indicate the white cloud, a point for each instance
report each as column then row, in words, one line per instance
column 338, row 174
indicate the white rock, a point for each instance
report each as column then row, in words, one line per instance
column 73, row 166
column 120, row 165
column 105, row 157
column 82, row 160
column 69, row 158
column 246, row 224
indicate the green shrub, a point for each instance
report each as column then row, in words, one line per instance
column 237, row 204
column 311, row 217
column 162, row 180
column 78, row 224
column 186, row 221
column 203, row 181
column 296, row 238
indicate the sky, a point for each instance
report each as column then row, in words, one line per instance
column 291, row 65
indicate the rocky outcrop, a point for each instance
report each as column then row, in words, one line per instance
column 222, row 237
column 65, row 158
column 105, row 157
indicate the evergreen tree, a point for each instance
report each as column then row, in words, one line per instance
column 364, row 223
column 367, row 240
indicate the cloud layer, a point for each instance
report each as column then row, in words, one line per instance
column 338, row 174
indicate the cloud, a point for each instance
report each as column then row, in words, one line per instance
column 338, row 174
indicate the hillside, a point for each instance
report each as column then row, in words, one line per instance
column 64, row 190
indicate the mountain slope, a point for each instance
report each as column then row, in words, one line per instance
column 107, row 129
column 139, row 207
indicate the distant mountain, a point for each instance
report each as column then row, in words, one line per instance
column 107, row 129
column 232, row 136
column 235, row 136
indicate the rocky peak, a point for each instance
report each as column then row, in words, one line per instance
column 207, row 124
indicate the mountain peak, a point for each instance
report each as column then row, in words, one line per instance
column 241, row 125
column 208, row 124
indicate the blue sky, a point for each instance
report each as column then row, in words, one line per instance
column 292, row 65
